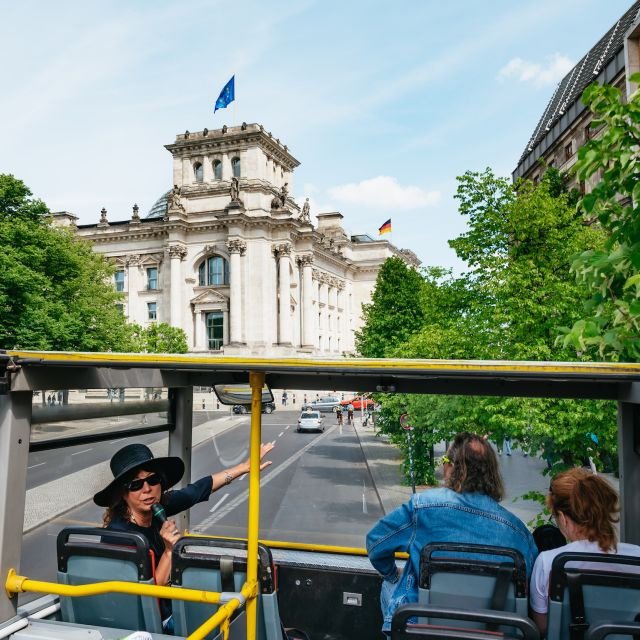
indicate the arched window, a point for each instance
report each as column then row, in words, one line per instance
column 217, row 170
column 235, row 166
column 213, row 271
column 198, row 170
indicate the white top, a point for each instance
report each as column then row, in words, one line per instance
column 539, row 591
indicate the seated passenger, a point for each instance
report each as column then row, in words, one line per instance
column 465, row 510
column 139, row 482
column 584, row 506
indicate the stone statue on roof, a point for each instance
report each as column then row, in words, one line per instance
column 305, row 214
column 174, row 201
column 279, row 201
column 235, row 189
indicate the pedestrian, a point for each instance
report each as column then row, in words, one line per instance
column 141, row 481
column 284, row 398
column 305, row 399
column 506, row 445
column 585, row 508
column 349, row 413
column 60, row 396
column 465, row 510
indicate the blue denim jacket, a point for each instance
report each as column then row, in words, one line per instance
column 441, row 515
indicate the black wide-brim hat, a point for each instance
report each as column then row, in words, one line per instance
column 126, row 462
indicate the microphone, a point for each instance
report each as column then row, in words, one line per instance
column 158, row 512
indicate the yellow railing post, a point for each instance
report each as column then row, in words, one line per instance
column 256, row 380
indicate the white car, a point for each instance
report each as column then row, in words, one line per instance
column 310, row 421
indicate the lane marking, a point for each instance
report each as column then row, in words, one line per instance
column 217, row 504
column 118, row 440
column 242, row 477
column 239, row 499
column 281, row 434
column 77, row 453
column 33, row 466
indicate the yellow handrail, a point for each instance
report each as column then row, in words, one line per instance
column 20, row 584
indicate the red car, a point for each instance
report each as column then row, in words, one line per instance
column 369, row 404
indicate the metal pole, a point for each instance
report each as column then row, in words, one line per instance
column 629, row 458
column 411, row 471
column 15, row 416
column 256, row 380
column 180, row 439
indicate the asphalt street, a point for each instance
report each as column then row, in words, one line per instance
column 317, row 490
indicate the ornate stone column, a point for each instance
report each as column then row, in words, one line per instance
column 236, row 249
column 177, row 253
column 308, row 316
column 133, row 287
column 283, row 251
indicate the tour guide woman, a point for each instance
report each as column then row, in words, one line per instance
column 140, row 481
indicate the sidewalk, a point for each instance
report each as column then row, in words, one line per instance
column 520, row 474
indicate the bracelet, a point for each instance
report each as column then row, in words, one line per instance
column 228, row 478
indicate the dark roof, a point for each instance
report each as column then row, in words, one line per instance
column 602, row 63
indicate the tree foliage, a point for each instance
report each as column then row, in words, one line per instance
column 157, row 338
column 510, row 304
column 395, row 311
column 610, row 325
column 55, row 292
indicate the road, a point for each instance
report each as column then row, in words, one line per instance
column 318, row 489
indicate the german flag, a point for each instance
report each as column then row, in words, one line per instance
column 385, row 228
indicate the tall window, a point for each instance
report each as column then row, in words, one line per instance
column 119, row 278
column 235, row 166
column 217, row 170
column 214, row 271
column 152, row 278
column 152, row 310
column 215, row 330
column 198, row 170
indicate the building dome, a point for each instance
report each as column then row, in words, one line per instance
column 159, row 209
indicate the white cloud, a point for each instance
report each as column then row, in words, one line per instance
column 550, row 72
column 384, row 192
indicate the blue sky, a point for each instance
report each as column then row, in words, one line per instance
column 383, row 103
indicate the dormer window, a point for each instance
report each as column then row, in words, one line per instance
column 213, row 271
column 235, row 167
column 198, row 171
column 217, row 170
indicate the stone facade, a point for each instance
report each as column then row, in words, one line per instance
column 228, row 256
column 564, row 126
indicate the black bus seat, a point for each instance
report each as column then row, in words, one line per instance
column 613, row 630
column 221, row 565
column 453, row 622
column 584, row 595
column 90, row 554
column 449, row 580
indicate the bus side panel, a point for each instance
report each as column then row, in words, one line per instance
column 329, row 603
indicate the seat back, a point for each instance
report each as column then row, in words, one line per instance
column 584, row 594
column 88, row 555
column 453, row 622
column 454, row 575
column 609, row 629
column 221, row 565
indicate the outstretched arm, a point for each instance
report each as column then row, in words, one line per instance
column 227, row 476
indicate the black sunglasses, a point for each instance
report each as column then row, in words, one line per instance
column 138, row 483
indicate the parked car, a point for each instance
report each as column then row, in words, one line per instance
column 325, row 404
column 267, row 407
column 310, row 421
column 369, row 404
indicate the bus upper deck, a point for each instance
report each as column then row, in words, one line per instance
column 22, row 373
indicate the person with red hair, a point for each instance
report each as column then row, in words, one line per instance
column 585, row 508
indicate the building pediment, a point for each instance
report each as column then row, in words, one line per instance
column 210, row 296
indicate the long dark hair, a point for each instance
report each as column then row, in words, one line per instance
column 475, row 467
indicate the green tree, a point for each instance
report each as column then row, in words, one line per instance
column 517, row 293
column 55, row 292
column 395, row 311
column 610, row 325
column 158, row 338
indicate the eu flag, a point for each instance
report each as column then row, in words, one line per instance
column 227, row 95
